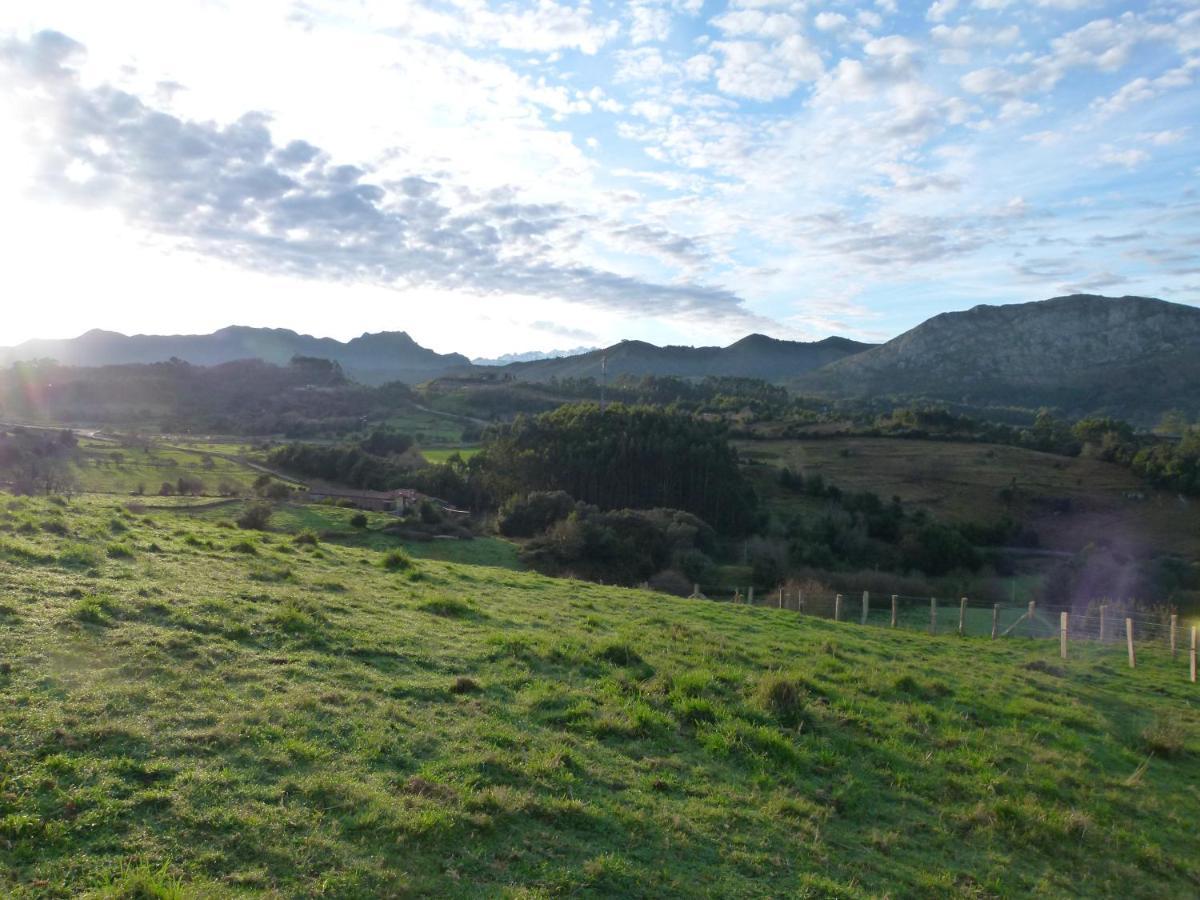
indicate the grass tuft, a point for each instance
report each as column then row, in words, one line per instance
column 783, row 698
column 1165, row 738
column 619, row 654
column 448, row 608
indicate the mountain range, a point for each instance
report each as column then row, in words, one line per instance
column 371, row 358
column 529, row 356
column 754, row 356
column 1133, row 357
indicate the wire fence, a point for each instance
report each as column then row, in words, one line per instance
column 1111, row 623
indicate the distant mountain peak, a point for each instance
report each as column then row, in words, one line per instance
column 1131, row 357
column 754, row 356
column 372, row 358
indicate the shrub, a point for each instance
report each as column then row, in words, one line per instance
column 306, row 538
column 256, row 517
column 277, row 490
column 244, row 547
column 358, row 520
column 533, row 513
column 118, row 551
column 396, row 561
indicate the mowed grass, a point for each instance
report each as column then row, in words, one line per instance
column 1105, row 504
column 187, row 709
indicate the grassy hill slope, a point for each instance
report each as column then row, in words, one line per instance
column 196, row 710
column 1071, row 501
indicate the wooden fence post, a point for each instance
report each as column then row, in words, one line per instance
column 799, row 601
column 995, row 619
column 750, row 595
column 894, row 599
column 866, row 605
column 1174, row 621
column 1029, row 616
column 962, row 616
column 1193, row 655
column 1129, row 642
column 1103, row 631
column 695, row 587
column 933, row 615
column 837, row 608
column 781, row 597
column 1062, row 634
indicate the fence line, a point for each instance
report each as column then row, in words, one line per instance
column 1108, row 623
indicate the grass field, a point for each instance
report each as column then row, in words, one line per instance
column 1072, row 502
column 441, row 454
column 187, row 709
column 109, row 468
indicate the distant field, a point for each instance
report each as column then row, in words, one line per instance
column 191, row 710
column 428, row 427
column 963, row 482
column 110, row 468
column 441, row 454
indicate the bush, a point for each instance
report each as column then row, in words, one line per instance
column 624, row 546
column 256, row 517
column 358, row 520
column 533, row 513
column 277, row 490
column 306, row 538
column 396, row 561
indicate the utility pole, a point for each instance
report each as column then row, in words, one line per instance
column 603, row 377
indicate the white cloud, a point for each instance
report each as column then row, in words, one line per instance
column 939, row 9
column 649, row 23
column 1130, row 159
column 830, row 21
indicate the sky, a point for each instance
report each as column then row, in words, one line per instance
column 512, row 176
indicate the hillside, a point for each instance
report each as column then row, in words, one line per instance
column 754, row 356
column 371, row 358
column 1070, row 501
column 1132, row 357
column 192, row 710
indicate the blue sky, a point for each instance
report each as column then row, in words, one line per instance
column 498, row 177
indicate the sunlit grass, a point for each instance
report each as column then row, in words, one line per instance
column 299, row 719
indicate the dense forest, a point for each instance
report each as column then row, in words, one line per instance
column 623, row 457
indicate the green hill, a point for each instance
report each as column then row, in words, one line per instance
column 187, row 709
